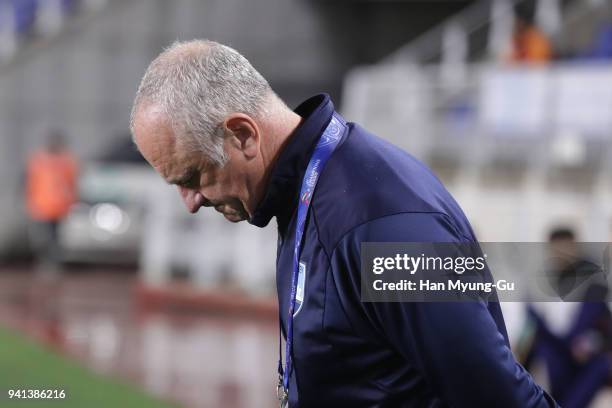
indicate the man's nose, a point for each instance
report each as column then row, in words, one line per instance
column 193, row 199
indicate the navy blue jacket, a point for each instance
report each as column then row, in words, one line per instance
column 356, row 354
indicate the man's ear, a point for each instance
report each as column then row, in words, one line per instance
column 243, row 133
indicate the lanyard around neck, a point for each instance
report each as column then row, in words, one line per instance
column 325, row 147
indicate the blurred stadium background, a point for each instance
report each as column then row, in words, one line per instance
column 153, row 307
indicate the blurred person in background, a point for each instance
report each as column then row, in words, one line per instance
column 579, row 362
column 601, row 47
column 530, row 44
column 51, row 189
column 210, row 124
column 573, row 276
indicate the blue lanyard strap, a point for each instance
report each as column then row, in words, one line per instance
column 325, row 147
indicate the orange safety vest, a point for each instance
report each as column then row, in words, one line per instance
column 51, row 185
column 531, row 46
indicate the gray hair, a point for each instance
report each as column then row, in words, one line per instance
column 197, row 84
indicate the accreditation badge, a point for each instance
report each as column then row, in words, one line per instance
column 299, row 292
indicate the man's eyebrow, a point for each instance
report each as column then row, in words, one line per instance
column 182, row 179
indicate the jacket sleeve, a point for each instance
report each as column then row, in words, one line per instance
column 459, row 347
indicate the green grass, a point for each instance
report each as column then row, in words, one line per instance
column 24, row 364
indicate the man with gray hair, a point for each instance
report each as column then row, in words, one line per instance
column 210, row 124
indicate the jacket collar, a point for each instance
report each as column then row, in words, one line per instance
column 282, row 193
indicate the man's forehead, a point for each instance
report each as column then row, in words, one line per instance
column 155, row 139
column 148, row 118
